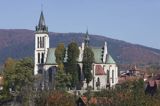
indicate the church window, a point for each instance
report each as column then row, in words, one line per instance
column 43, row 42
column 42, row 59
column 108, row 76
column 38, row 42
column 50, row 73
column 38, row 57
column 98, row 83
column 112, row 76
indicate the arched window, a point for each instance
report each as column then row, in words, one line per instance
column 43, row 42
column 112, row 76
column 108, row 76
column 38, row 42
column 42, row 59
column 38, row 57
column 50, row 73
column 98, row 82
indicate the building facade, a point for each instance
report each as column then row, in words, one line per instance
column 104, row 71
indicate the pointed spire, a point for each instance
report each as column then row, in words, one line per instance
column 41, row 20
column 41, row 25
column 87, row 38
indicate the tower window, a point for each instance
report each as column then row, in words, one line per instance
column 38, row 57
column 43, row 42
column 38, row 42
column 42, row 59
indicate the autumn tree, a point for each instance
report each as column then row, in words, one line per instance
column 61, row 98
column 88, row 59
column 8, row 71
column 60, row 54
column 71, row 65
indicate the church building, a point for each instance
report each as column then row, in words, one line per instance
column 104, row 71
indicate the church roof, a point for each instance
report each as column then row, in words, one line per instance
column 97, row 54
column 51, row 59
column 41, row 20
column 41, row 27
column 99, row 70
column 110, row 60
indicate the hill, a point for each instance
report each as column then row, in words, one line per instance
column 18, row 43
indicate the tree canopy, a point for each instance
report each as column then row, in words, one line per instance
column 88, row 59
column 71, row 65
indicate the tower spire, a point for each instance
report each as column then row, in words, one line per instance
column 41, row 27
column 86, row 40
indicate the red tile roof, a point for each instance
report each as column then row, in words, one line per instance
column 99, row 70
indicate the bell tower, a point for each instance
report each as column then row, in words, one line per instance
column 41, row 44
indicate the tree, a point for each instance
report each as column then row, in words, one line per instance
column 8, row 70
column 24, row 72
column 24, row 80
column 60, row 54
column 71, row 65
column 19, row 77
column 61, row 98
column 61, row 78
column 88, row 59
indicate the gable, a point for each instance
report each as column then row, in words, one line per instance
column 99, row 70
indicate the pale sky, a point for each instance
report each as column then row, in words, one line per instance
column 135, row 21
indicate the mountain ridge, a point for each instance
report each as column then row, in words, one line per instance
column 18, row 43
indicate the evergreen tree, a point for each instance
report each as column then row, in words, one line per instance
column 71, row 66
column 62, row 79
column 88, row 59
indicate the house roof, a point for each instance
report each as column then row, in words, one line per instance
column 99, row 70
column 97, row 54
column 110, row 60
column 51, row 59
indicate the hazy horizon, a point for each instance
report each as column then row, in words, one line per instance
column 132, row 21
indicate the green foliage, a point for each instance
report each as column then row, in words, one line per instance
column 71, row 65
column 8, row 71
column 23, row 73
column 88, row 59
column 62, row 80
column 60, row 53
column 130, row 93
column 19, row 75
column 41, row 98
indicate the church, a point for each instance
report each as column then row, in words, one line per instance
column 104, row 71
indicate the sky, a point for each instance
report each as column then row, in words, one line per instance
column 135, row 21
